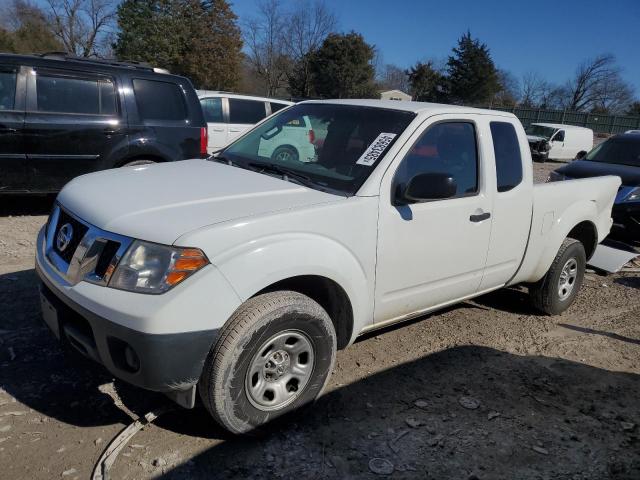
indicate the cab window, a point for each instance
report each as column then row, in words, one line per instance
column 448, row 148
column 507, row 154
column 246, row 111
column 212, row 109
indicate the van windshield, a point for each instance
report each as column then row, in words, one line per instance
column 328, row 147
column 540, row 131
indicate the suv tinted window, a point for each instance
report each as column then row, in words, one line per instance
column 7, row 88
column 445, row 148
column 159, row 100
column 246, row 111
column 212, row 109
column 507, row 153
column 62, row 94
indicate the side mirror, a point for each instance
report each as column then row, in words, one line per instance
column 581, row 154
column 427, row 186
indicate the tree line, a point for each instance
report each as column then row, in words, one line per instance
column 293, row 49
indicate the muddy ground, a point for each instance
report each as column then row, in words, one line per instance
column 488, row 389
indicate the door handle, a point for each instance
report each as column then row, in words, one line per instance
column 111, row 131
column 480, row 217
column 218, row 129
column 235, row 130
column 8, row 130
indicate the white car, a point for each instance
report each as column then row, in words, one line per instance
column 558, row 142
column 229, row 115
column 239, row 276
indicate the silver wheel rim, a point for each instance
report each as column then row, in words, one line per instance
column 567, row 280
column 284, row 156
column 280, row 370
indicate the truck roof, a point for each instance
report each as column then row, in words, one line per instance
column 563, row 126
column 415, row 107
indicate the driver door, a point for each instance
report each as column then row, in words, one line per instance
column 434, row 252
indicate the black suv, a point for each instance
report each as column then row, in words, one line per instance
column 62, row 116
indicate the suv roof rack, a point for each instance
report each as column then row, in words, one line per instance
column 102, row 61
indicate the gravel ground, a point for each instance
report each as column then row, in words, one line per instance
column 488, row 389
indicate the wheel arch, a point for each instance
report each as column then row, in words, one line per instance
column 587, row 234
column 329, row 295
column 142, row 156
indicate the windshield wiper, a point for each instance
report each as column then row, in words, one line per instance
column 284, row 171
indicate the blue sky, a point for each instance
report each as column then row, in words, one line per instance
column 549, row 37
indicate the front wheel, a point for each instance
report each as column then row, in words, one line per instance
column 273, row 356
column 285, row 153
column 556, row 291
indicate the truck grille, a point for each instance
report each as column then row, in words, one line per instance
column 88, row 254
column 79, row 230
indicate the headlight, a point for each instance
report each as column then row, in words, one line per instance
column 152, row 268
column 555, row 177
column 634, row 195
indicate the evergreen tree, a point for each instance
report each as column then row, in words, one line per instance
column 472, row 74
column 426, row 83
column 342, row 67
column 197, row 39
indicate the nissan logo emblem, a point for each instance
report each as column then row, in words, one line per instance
column 65, row 234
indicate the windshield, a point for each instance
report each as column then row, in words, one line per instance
column 618, row 150
column 328, row 147
column 540, row 131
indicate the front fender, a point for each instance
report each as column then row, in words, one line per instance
column 259, row 263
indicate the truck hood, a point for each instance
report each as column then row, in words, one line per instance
column 629, row 175
column 161, row 202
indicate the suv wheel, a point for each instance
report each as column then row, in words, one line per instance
column 274, row 355
column 556, row 291
column 137, row 163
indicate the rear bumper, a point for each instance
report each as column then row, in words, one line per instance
column 159, row 362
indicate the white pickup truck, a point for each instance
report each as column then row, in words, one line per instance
column 240, row 276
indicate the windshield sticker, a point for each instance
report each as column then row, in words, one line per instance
column 376, row 149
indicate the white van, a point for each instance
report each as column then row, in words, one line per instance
column 229, row 115
column 558, row 142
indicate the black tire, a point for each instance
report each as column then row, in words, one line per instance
column 137, row 163
column 546, row 294
column 285, row 153
column 224, row 384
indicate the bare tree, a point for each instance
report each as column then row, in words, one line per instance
column 598, row 84
column 266, row 46
column 534, row 90
column 509, row 92
column 393, row 77
column 82, row 26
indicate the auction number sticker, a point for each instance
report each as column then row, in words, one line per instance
column 377, row 148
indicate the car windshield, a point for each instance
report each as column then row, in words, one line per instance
column 328, row 147
column 618, row 150
column 540, row 131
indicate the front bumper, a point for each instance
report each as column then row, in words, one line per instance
column 156, row 342
column 627, row 216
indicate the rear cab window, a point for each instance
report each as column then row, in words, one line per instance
column 277, row 106
column 507, row 155
column 246, row 111
column 159, row 101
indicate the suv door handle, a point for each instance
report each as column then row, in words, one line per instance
column 8, row 130
column 111, row 131
column 479, row 217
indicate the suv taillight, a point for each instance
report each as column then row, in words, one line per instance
column 312, row 136
column 203, row 140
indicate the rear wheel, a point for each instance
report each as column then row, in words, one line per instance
column 285, row 153
column 273, row 356
column 556, row 291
